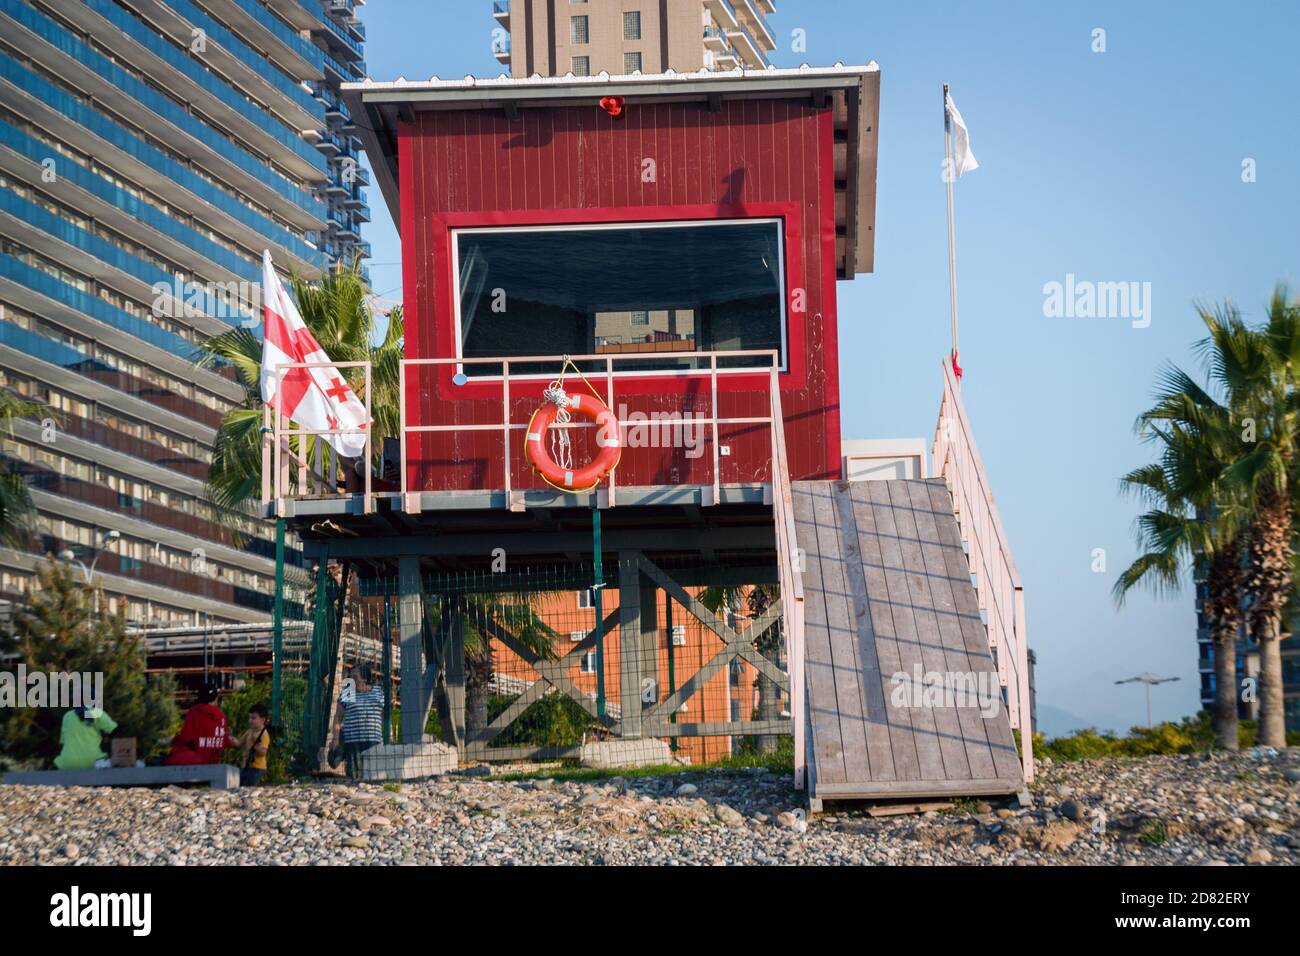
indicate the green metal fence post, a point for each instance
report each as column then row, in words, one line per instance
column 672, row 670
column 598, row 586
column 388, row 669
column 277, row 638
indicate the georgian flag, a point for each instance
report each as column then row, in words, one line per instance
column 315, row 398
column 963, row 160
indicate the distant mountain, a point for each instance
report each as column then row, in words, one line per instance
column 1056, row 722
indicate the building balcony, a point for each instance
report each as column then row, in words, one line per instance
column 501, row 11
column 757, row 24
column 715, row 39
column 724, row 14
column 728, row 59
column 745, row 46
column 501, row 50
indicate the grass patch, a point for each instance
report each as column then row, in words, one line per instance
column 778, row 762
column 1153, row 833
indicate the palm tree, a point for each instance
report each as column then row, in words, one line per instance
column 16, row 509
column 1258, row 368
column 1193, row 518
column 757, row 600
column 338, row 315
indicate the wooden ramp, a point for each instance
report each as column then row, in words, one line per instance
column 889, row 606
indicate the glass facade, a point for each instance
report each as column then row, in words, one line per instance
column 148, row 154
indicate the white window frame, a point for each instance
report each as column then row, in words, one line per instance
column 588, row 663
column 783, row 294
column 586, row 598
column 626, row 21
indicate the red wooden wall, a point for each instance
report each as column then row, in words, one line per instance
column 577, row 164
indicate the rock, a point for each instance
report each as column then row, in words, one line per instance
column 1071, row 810
column 985, row 850
column 1005, row 814
column 1259, row 857
column 376, row 823
column 728, row 816
column 358, row 842
column 1291, row 774
column 71, row 851
column 686, row 790
column 984, row 808
column 1057, row 835
column 254, row 842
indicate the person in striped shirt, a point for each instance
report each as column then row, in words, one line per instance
column 360, row 719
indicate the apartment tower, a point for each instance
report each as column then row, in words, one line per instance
column 588, row 37
column 149, row 151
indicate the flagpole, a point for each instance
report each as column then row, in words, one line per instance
column 949, row 176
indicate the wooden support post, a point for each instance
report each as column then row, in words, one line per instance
column 629, row 641
column 410, row 627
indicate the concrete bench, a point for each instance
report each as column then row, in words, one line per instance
column 219, row 775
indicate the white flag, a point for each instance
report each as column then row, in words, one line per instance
column 963, row 160
column 318, row 399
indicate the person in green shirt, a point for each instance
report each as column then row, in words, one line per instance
column 80, row 736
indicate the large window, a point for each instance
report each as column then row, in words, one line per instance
column 578, row 29
column 714, row 285
column 632, row 25
column 631, row 63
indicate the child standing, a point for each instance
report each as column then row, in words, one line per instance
column 255, row 742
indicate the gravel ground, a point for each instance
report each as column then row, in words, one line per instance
column 1159, row 810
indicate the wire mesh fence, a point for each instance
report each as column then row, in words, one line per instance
column 551, row 662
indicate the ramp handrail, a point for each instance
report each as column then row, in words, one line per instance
column 790, row 576
column 956, row 458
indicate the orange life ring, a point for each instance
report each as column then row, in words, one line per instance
column 590, row 475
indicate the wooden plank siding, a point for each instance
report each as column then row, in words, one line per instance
column 576, row 164
column 888, row 589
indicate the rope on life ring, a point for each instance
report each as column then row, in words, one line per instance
column 555, row 464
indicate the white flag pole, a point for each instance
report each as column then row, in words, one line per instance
column 949, row 174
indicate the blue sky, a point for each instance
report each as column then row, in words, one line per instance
column 1124, row 165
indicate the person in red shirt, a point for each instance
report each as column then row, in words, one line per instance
column 204, row 735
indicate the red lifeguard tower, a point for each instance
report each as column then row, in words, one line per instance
column 668, row 245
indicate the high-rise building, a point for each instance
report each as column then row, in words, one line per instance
column 149, row 151
column 1247, row 663
column 588, row 37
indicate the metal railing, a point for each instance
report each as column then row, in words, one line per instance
column 410, row 500
column 285, row 462
column 956, row 459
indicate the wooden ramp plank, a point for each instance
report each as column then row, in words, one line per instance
column 879, row 749
column 888, row 591
column 843, row 638
column 1001, row 742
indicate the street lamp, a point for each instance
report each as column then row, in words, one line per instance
column 68, row 555
column 1148, row 679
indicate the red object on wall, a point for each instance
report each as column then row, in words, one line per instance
column 613, row 105
column 749, row 158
